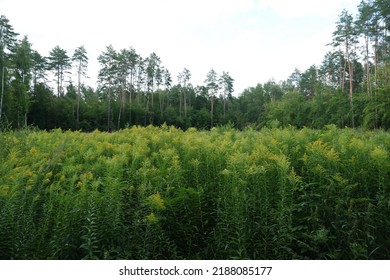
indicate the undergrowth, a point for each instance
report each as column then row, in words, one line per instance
column 161, row 193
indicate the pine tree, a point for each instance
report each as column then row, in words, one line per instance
column 39, row 67
column 212, row 88
column 364, row 28
column 107, row 75
column 81, row 59
column 7, row 41
column 22, row 64
column 345, row 36
column 59, row 63
column 226, row 84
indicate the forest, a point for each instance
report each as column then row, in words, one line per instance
column 349, row 89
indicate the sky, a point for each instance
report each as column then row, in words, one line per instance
column 254, row 40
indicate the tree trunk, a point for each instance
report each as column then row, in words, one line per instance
column 58, row 81
column 367, row 67
column 130, row 94
column 351, row 92
column 224, row 106
column 2, row 89
column 343, row 75
column 185, row 101
column 131, row 87
column 160, row 95
column 350, row 71
column 25, row 102
column 123, row 101
column 119, row 118
column 78, row 98
column 108, row 109
column 180, row 94
column 152, row 96
column 146, row 109
column 376, row 71
column 212, row 112
column 376, row 58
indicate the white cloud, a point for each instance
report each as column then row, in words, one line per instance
column 300, row 8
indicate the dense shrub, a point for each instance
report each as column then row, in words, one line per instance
column 161, row 193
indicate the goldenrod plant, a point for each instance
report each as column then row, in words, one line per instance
column 163, row 193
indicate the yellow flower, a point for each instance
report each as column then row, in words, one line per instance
column 319, row 169
column 379, row 154
column 86, row 176
column 192, row 130
column 152, row 218
column 225, row 172
column 156, row 202
column 33, row 151
column 49, row 175
column 28, row 173
column 4, row 190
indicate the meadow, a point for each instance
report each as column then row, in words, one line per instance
column 163, row 193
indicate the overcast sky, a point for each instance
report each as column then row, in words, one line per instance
column 253, row 40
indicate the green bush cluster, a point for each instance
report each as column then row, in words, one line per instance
column 162, row 193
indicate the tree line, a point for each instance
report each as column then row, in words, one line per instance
column 351, row 87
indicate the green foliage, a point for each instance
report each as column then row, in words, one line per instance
column 349, row 89
column 161, row 193
column 377, row 110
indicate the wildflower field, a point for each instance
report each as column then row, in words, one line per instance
column 162, row 193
